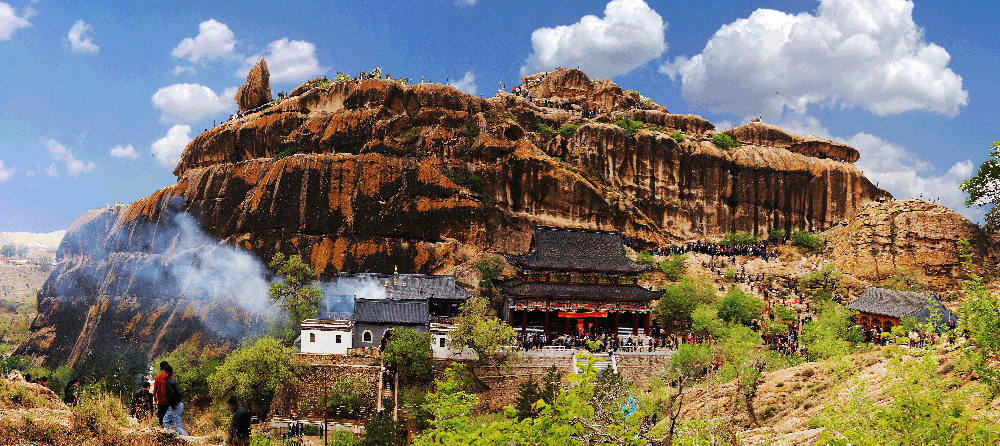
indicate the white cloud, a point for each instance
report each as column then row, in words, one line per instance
column 214, row 40
column 466, row 83
column 178, row 70
column 190, row 103
column 629, row 35
column 10, row 21
column 169, row 149
column 5, row 173
column 62, row 154
column 465, row 2
column 79, row 41
column 287, row 60
column 851, row 53
column 894, row 168
column 124, row 152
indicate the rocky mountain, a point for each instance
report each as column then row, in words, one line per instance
column 372, row 174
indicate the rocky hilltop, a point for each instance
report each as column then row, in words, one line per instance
column 372, row 174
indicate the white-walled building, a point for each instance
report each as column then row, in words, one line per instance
column 326, row 337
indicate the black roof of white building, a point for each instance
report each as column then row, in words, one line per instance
column 574, row 249
column 408, row 286
column 895, row 303
column 391, row 311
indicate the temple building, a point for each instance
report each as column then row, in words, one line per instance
column 574, row 281
column 884, row 308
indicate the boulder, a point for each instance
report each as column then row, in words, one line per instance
column 257, row 90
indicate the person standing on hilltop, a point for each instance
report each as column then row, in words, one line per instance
column 72, row 392
column 175, row 403
column 160, row 391
column 239, row 429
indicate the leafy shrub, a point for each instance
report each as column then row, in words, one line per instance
column 193, row 365
column 410, row 351
column 677, row 136
column 288, row 152
column 472, row 181
column 99, row 412
column 544, row 129
column 723, row 141
column 631, row 127
column 807, row 241
column 776, row 233
column 673, row 267
column 738, row 307
column 568, row 130
column 255, row 373
column 646, row 258
column 410, row 136
column 680, row 300
column 738, row 239
column 341, row 77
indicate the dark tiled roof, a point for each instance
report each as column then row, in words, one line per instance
column 518, row 288
column 407, row 286
column 391, row 311
column 900, row 304
column 576, row 249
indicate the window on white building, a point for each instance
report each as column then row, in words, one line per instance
column 366, row 337
column 312, row 337
column 338, row 339
column 442, row 342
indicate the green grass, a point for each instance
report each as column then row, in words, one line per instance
column 569, row 130
column 676, row 135
column 544, row 130
column 288, row 152
column 631, row 127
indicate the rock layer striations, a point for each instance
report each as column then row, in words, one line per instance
column 373, row 174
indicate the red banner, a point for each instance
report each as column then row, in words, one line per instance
column 582, row 315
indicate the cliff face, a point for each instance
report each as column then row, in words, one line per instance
column 370, row 175
column 911, row 236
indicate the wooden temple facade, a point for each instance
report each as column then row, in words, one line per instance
column 575, row 281
column 882, row 308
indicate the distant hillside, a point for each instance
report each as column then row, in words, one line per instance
column 33, row 240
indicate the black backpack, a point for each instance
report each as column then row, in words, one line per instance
column 174, row 395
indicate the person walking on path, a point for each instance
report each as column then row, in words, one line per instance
column 175, row 403
column 239, row 429
column 72, row 393
column 160, row 391
column 142, row 402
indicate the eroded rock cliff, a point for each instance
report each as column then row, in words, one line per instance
column 368, row 175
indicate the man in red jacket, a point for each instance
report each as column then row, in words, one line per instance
column 160, row 391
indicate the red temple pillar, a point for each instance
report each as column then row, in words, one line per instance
column 545, row 325
column 635, row 324
column 524, row 321
column 646, row 317
column 566, row 328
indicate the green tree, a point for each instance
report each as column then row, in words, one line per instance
column 743, row 351
column 489, row 337
column 384, row 431
column 705, row 320
column 687, row 366
column 528, row 394
column 193, row 365
column 737, row 239
column 679, row 301
column 737, row 307
column 631, row 127
column 980, row 316
column 410, row 351
column 776, row 233
column 824, row 278
column 255, row 373
column 45, row 264
column 807, row 241
column 299, row 299
column 981, row 189
column 829, row 335
column 673, row 267
column 568, row 130
column 489, row 270
column 8, row 250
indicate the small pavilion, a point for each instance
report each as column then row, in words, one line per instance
column 883, row 308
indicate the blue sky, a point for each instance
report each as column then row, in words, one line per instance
column 97, row 99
